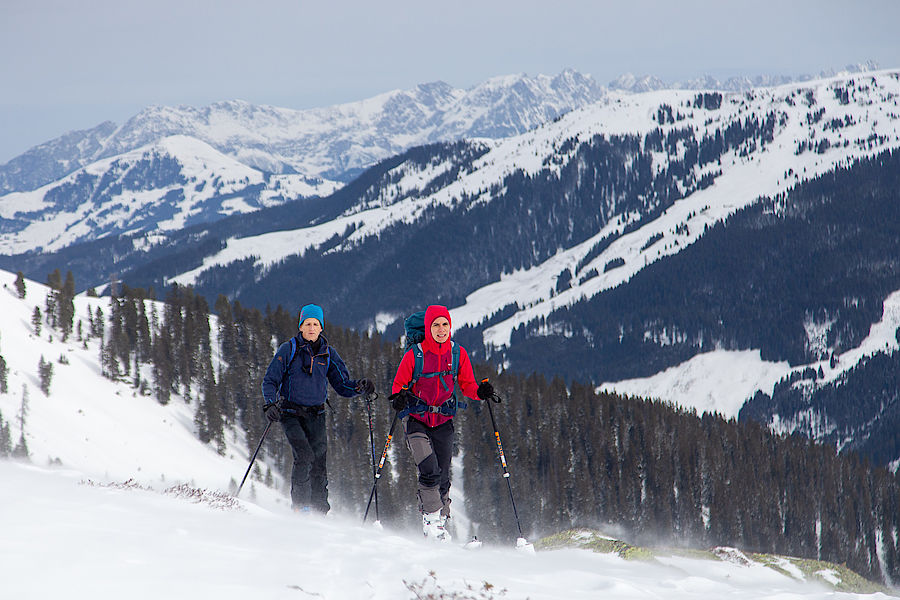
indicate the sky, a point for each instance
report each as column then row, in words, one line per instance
column 72, row 65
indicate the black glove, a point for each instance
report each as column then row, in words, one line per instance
column 485, row 390
column 273, row 413
column 364, row 386
column 400, row 400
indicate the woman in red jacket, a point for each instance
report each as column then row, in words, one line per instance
column 424, row 386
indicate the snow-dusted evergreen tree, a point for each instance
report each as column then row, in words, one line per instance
column 21, row 449
column 36, row 320
column 98, row 327
column 45, row 375
column 66, row 306
column 5, row 438
column 4, row 373
column 208, row 417
column 51, row 314
column 20, row 285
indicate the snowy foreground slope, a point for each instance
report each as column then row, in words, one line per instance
column 64, row 537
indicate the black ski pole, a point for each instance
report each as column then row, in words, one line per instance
column 381, row 464
column 253, row 458
column 496, row 398
column 369, row 399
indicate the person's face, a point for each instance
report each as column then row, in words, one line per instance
column 310, row 329
column 440, row 330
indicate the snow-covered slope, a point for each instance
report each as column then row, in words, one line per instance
column 90, row 424
column 71, row 534
column 721, row 381
column 167, row 185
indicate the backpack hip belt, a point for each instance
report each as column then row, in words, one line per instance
column 447, row 409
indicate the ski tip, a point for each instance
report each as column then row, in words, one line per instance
column 522, row 545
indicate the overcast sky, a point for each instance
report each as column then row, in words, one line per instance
column 73, row 64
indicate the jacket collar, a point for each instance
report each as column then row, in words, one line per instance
column 301, row 342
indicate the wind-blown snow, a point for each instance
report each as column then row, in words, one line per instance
column 64, row 538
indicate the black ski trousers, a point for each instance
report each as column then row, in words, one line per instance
column 305, row 431
column 432, row 450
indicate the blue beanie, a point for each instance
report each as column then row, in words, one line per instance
column 312, row 311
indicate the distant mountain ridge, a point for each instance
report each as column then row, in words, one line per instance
column 291, row 154
column 68, row 190
column 621, row 240
column 648, row 83
column 334, row 142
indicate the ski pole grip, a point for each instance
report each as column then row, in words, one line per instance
column 495, row 397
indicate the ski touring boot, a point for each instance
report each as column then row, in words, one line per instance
column 433, row 526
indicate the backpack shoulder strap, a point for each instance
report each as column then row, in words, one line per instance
column 286, row 380
column 419, row 364
column 454, row 368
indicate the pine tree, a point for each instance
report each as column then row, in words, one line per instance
column 163, row 370
column 98, row 327
column 66, row 306
column 45, row 374
column 5, row 438
column 4, row 374
column 21, row 449
column 20, row 285
column 36, row 321
column 54, row 281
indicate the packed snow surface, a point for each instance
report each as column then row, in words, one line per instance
column 66, row 536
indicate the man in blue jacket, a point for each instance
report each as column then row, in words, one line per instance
column 297, row 377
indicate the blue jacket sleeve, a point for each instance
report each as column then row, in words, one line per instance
column 339, row 378
column 275, row 373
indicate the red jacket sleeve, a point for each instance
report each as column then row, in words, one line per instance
column 405, row 371
column 466, row 376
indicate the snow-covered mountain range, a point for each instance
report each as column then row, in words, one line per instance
column 553, row 238
column 171, row 166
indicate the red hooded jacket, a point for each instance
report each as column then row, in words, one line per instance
column 437, row 357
